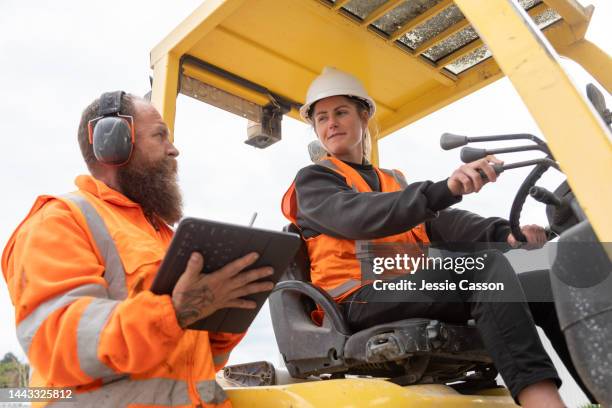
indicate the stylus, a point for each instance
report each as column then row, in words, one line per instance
column 253, row 219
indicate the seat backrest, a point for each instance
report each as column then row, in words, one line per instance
column 306, row 348
column 299, row 268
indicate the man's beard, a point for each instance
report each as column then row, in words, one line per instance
column 154, row 186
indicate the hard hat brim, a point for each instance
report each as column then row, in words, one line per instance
column 305, row 109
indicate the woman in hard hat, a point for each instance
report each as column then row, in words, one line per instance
column 344, row 207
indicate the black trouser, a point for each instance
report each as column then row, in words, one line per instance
column 505, row 319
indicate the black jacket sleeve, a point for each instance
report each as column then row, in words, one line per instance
column 460, row 226
column 326, row 204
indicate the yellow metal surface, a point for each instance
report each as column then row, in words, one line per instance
column 576, row 135
column 164, row 92
column 195, row 27
column 439, row 97
column 454, row 56
column 284, row 48
column 339, row 3
column 593, row 59
column 374, row 155
column 360, row 393
column 573, row 13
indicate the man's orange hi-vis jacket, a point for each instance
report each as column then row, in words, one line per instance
column 78, row 268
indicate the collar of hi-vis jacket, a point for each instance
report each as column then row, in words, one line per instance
column 102, row 191
column 353, row 179
column 356, row 181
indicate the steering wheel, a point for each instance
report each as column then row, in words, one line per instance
column 521, row 197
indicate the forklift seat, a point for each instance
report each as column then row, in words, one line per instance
column 408, row 351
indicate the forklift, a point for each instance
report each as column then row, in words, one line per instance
column 256, row 58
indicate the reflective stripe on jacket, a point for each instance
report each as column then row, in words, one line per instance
column 337, row 265
column 77, row 269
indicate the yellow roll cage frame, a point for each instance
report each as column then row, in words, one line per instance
column 275, row 49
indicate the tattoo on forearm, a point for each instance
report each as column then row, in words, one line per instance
column 192, row 302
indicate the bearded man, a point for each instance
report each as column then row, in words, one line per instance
column 79, row 266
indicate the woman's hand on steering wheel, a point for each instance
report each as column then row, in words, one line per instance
column 467, row 179
column 536, row 237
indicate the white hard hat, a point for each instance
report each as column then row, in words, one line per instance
column 333, row 82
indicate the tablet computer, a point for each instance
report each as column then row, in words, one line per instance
column 221, row 243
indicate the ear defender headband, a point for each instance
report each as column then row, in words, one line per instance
column 111, row 134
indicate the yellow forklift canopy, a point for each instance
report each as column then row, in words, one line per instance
column 256, row 58
column 414, row 56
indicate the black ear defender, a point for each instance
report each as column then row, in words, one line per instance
column 111, row 133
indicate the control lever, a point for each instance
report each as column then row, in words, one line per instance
column 470, row 154
column 497, row 167
column 501, row 168
column 599, row 102
column 544, row 196
column 562, row 208
column 450, row 141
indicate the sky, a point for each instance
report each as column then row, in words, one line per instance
column 58, row 56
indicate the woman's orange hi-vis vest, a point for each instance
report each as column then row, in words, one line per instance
column 335, row 263
column 77, row 270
